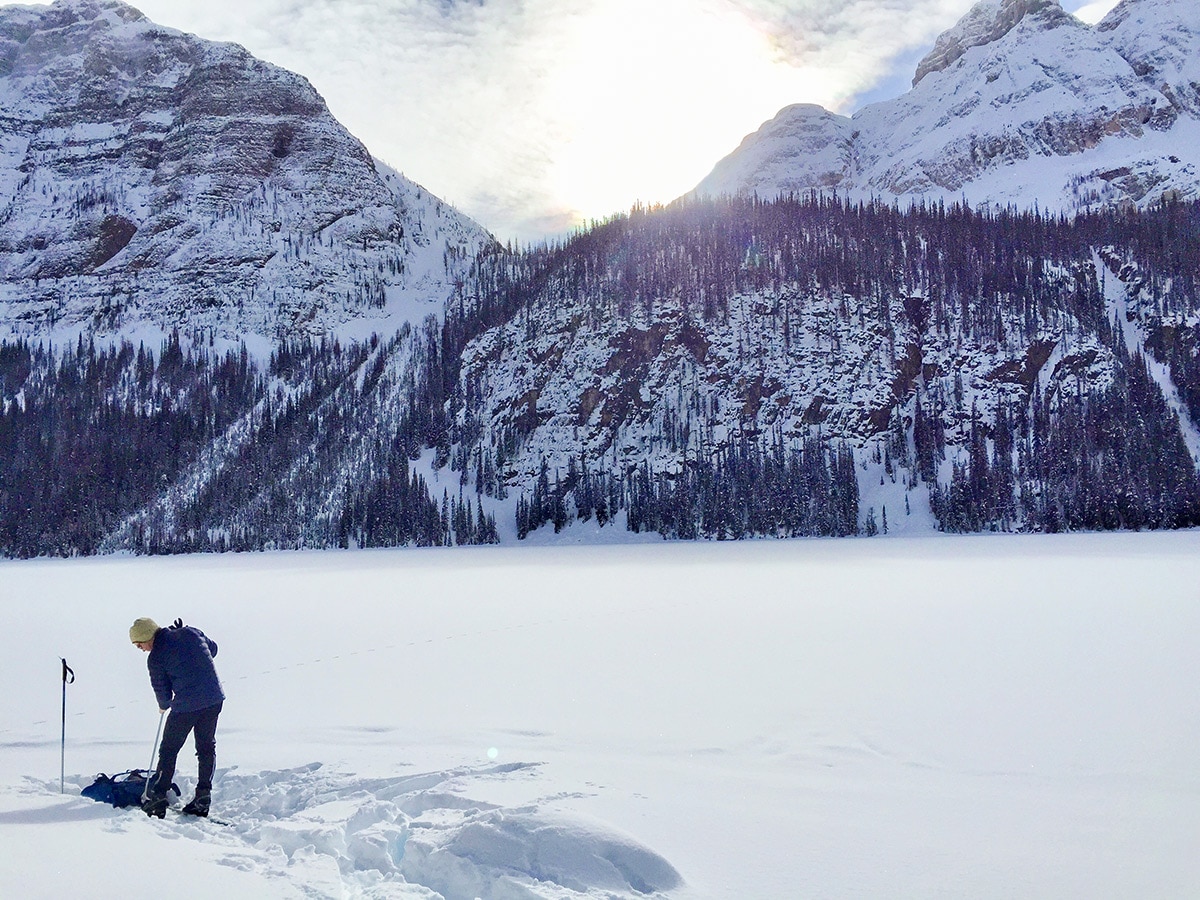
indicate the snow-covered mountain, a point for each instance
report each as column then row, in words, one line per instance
column 1019, row 103
column 716, row 368
column 152, row 180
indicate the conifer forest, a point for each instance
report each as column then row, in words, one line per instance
column 706, row 370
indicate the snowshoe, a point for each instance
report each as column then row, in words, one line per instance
column 155, row 806
column 198, row 805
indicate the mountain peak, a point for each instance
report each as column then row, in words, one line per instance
column 62, row 13
column 987, row 21
column 1025, row 102
column 150, row 179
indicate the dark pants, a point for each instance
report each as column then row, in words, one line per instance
column 179, row 724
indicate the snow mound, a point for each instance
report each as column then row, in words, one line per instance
column 412, row 836
column 495, row 849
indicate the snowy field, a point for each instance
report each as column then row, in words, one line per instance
column 972, row 717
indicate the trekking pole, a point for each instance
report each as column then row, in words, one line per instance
column 68, row 677
column 153, row 750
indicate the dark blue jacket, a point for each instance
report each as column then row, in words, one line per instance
column 181, row 669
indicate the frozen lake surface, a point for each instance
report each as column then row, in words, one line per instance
column 983, row 717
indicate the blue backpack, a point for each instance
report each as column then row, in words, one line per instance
column 121, row 790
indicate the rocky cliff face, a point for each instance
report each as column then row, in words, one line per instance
column 985, row 23
column 654, row 351
column 1158, row 38
column 153, row 180
column 1018, row 103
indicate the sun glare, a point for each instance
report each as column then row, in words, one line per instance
column 647, row 96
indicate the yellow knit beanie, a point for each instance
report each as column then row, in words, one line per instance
column 142, row 630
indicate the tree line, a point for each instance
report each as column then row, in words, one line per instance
column 180, row 448
column 934, row 274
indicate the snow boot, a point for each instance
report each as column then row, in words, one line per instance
column 155, row 805
column 198, row 805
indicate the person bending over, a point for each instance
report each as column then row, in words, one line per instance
column 185, row 682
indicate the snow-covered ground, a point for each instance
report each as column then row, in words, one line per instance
column 984, row 717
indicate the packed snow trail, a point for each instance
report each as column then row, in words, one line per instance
column 413, row 836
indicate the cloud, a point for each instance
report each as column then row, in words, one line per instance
column 531, row 115
column 857, row 41
column 1092, row 11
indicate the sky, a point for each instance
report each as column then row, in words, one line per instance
column 536, row 116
